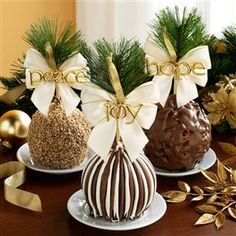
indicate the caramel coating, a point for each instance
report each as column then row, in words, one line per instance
column 58, row 141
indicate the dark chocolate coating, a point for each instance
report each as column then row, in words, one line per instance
column 179, row 137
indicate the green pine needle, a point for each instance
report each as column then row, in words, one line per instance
column 220, row 62
column 185, row 31
column 9, row 83
column 18, row 70
column 64, row 39
column 229, row 37
column 129, row 59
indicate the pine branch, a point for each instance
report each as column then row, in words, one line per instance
column 9, row 83
column 220, row 60
column 185, row 31
column 64, row 39
column 129, row 59
column 18, row 70
column 229, row 37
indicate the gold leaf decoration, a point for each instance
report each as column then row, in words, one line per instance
column 206, row 208
column 211, row 188
column 184, row 186
column 228, row 148
column 221, row 204
column 205, row 219
column 216, row 197
column 212, row 198
column 219, row 220
column 198, row 198
column 232, row 212
column 210, row 176
column 221, row 172
column 197, row 189
column 174, row 196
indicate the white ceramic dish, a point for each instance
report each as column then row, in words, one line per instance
column 207, row 162
column 23, row 155
column 78, row 208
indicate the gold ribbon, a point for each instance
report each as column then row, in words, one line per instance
column 18, row 197
column 36, row 76
column 49, row 56
column 118, row 110
column 115, row 81
column 174, row 68
column 169, row 46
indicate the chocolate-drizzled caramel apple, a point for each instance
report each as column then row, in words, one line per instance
column 119, row 181
column 117, row 188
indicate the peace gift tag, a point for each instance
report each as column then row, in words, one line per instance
column 44, row 77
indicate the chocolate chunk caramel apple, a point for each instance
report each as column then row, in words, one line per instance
column 178, row 61
column 179, row 137
column 117, row 188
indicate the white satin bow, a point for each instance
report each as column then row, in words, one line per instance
column 44, row 89
column 141, row 101
column 190, row 73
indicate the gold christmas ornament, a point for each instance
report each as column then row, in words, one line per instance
column 14, row 127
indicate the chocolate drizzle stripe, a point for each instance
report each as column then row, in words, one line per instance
column 136, row 191
column 87, row 166
column 104, row 182
column 116, row 190
column 86, row 179
column 122, row 188
column 151, row 169
column 148, row 183
column 129, row 193
column 113, row 183
column 98, row 187
column 93, row 170
column 141, row 188
column 94, row 185
column 108, row 191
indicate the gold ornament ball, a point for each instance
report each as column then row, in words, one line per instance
column 14, row 126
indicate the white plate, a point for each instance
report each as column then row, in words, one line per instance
column 79, row 209
column 23, row 155
column 207, row 161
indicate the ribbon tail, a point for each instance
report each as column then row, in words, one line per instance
column 16, row 196
column 69, row 98
column 102, row 137
column 133, row 138
column 43, row 95
column 147, row 115
column 186, row 91
column 164, row 84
